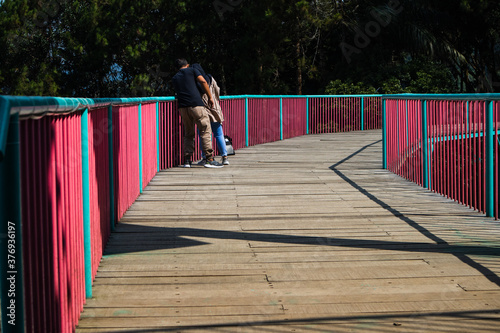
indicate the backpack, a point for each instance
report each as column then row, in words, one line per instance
column 229, row 145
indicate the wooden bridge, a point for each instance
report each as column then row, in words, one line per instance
column 308, row 234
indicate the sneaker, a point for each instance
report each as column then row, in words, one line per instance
column 187, row 163
column 225, row 160
column 213, row 164
column 202, row 162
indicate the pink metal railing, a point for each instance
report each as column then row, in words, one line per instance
column 263, row 120
column 170, row 135
column 343, row 114
column 51, row 202
column 372, row 108
column 294, row 117
column 454, row 157
column 234, row 120
column 260, row 119
column 99, row 184
column 404, row 151
column 52, row 172
column 149, row 141
column 126, row 157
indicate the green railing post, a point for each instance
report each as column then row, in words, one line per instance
column 11, row 283
column 307, row 115
column 489, row 159
column 362, row 113
column 157, row 137
column 384, row 134
column 281, row 118
column 425, row 147
column 246, row 122
column 87, row 244
column 139, row 112
column 111, row 169
column 407, row 128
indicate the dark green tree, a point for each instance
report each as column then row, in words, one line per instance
column 127, row 48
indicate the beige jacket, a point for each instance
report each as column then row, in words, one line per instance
column 215, row 113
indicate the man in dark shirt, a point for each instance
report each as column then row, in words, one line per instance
column 193, row 111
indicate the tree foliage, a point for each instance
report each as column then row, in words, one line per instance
column 114, row 48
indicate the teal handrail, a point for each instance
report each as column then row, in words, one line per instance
column 296, row 96
column 34, row 106
column 453, row 97
column 37, row 106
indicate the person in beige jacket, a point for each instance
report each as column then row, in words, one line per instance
column 215, row 114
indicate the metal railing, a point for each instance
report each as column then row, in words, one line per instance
column 447, row 143
column 70, row 168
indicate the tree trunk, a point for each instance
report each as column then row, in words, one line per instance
column 260, row 72
column 223, row 81
column 299, row 70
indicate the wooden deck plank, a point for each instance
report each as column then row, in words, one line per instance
column 286, row 240
column 298, row 298
column 298, row 309
column 369, row 322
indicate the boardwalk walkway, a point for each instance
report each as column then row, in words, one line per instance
column 303, row 235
